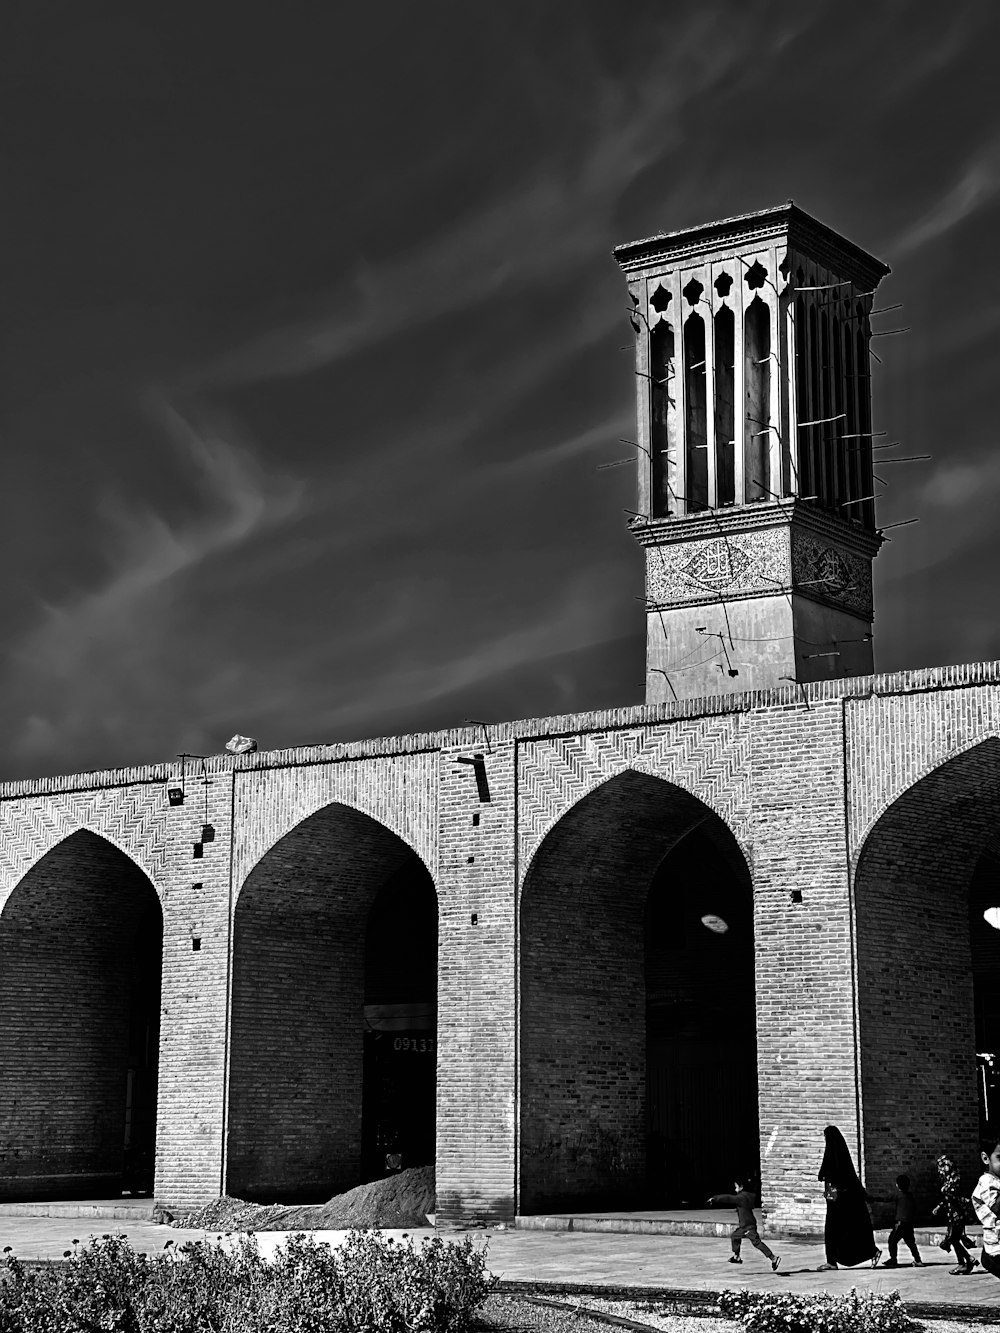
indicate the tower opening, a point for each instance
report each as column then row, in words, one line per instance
column 757, row 423
column 661, row 361
column 725, row 407
column 696, row 433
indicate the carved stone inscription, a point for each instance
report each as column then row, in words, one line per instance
column 832, row 573
column 747, row 564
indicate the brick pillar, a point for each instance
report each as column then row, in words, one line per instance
column 476, row 988
column 194, row 1006
column 804, row 967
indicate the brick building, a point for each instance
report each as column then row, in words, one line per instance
column 578, row 961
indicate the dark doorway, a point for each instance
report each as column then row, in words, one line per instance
column 701, row 1039
column 400, row 1051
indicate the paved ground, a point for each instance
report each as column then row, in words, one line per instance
column 582, row 1257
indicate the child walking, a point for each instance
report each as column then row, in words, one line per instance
column 906, row 1212
column 744, row 1201
column 953, row 1206
column 986, row 1201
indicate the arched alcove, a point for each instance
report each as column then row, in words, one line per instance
column 80, row 960
column 924, row 872
column 630, row 1001
column 308, row 913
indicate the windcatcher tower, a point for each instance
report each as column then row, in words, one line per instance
column 756, row 489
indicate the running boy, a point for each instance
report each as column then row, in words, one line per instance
column 744, row 1201
column 906, row 1211
column 986, row 1201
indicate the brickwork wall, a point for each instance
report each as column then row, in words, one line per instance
column 397, row 790
column 130, row 809
column 68, row 964
column 894, row 739
column 194, row 1016
column 134, row 818
column 806, row 1053
column 477, row 1016
column 915, row 975
column 708, row 757
column 298, row 1007
column 801, row 788
column 583, row 995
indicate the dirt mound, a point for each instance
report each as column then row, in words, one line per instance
column 403, row 1200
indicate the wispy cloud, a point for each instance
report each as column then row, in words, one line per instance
column 957, row 484
column 91, row 653
column 588, row 614
column 546, row 221
column 978, row 184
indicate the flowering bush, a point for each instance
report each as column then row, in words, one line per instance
column 370, row 1285
column 778, row 1312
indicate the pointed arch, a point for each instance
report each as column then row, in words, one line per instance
column 910, row 781
column 295, row 1123
column 80, row 957
column 35, row 826
column 591, row 1084
column 708, row 758
column 922, row 866
column 398, row 791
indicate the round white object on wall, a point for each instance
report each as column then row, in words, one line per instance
column 719, row 927
column 992, row 917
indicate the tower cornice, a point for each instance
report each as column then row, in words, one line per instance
column 650, row 532
column 785, row 222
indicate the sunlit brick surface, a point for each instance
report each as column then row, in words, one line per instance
column 862, row 818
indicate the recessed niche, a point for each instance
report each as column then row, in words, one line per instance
column 693, row 291
column 756, row 275
column 723, row 284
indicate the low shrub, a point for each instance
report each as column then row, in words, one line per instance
column 371, row 1284
column 821, row 1312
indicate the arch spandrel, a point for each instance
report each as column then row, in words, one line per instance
column 708, row 759
column 874, row 810
column 401, row 795
column 895, row 741
column 132, row 819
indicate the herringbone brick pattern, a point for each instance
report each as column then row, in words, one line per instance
column 400, row 791
column 133, row 818
column 709, row 757
column 893, row 741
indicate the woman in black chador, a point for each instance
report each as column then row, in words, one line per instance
column 848, row 1234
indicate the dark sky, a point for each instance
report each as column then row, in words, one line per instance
column 311, row 330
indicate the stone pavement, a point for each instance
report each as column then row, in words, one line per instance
column 590, row 1258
